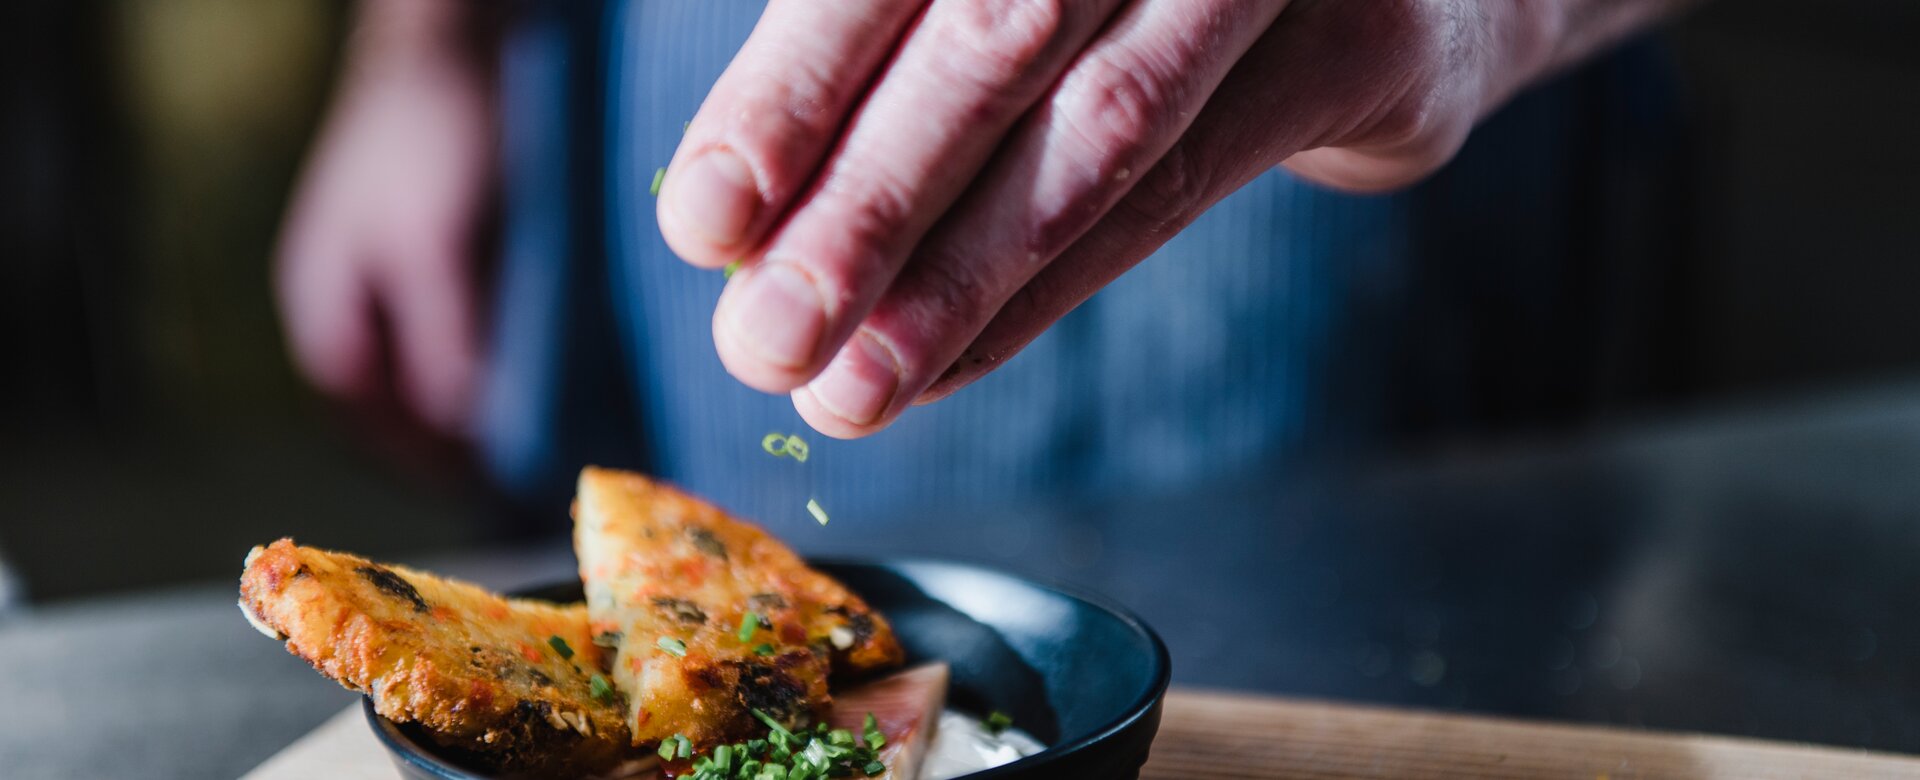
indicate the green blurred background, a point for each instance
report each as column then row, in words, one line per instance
column 151, row 427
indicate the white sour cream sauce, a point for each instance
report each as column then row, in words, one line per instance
column 962, row 745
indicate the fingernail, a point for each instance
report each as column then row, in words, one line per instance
column 778, row 316
column 860, row 382
column 714, row 196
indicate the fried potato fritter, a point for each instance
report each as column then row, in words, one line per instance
column 507, row 680
column 712, row 616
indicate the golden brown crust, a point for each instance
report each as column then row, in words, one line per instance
column 658, row 563
column 476, row 670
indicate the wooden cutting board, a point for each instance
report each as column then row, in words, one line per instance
column 1221, row 735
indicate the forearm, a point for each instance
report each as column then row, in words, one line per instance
column 1522, row 42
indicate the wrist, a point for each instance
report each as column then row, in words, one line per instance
column 415, row 33
column 1526, row 37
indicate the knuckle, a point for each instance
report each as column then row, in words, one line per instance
column 1001, row 41
column 799, row 98
column 880, row 206
column 1112, row 108
column 1110, row 114
column 859, row 225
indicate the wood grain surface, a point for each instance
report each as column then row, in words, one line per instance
column 1221, row 735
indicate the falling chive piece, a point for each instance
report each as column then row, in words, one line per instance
column 731, row 269
column 673, row 647
column 813, row 506
column 560, row 646
column 998, row 722
column 782, row 445
column 749, row 623
column 659, row 177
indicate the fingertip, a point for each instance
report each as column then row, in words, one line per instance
column 709, row 206
column 332, row 346
column 860, row 383
column 442, row 394
column 769, row 327
column 826, row 422
column 742, row 363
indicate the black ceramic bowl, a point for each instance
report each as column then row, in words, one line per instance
column 1085, row 677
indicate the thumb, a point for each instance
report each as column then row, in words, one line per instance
column 431, row 301
column 328, row 312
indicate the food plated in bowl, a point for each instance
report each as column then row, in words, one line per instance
column 1056, row 685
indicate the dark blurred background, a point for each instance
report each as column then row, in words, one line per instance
column 151, row 427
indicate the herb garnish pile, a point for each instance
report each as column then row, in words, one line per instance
column 809, row 754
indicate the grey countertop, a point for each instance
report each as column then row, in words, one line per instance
column 1753, row 573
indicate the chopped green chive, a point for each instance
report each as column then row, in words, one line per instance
column 815, row 753
column 560, row 646
column 774, row 725
column 998, row 722
column 749, row 623
column 659, row 177
column 599, row 688
column 674, row 647
column 763, row 649
column 731, row 269
column 813, row 506
column 781, row 445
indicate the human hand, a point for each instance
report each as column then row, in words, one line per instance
column 377, row 258
column 918, row 190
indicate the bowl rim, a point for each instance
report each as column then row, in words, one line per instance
column 410, row 750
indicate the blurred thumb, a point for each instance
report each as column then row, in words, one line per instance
column 327, row 310
column 432, row 308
